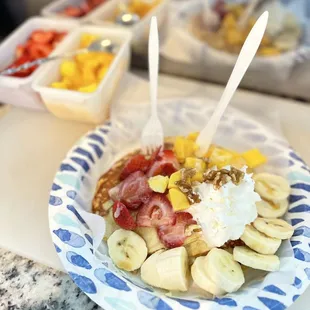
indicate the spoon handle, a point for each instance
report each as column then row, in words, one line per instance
column 244, row 60
column 153, row 63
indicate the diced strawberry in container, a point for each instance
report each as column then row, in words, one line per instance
column 81, row 10
column 39, row 44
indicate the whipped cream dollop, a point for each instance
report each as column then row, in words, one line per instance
column 223, row 213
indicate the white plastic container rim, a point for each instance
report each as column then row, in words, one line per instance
column 19, row 36
column 52, row 10
column 119, row 36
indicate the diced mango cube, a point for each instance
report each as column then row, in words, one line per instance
column 221, row 157
column 178, row 200
column 238, row 162
column 101, row 73
column 158, row 183
column 194, row 162
column 69, row 69
column 198, row 177
column 254, row 158
column 174, row 178
column 87, row 39
column 184, row 148
column 89, row 88
column 229, row 21
column 88, row 76
column 193, row 136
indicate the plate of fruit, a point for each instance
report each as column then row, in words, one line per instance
column 176, row 231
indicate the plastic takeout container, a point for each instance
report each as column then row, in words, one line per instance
column 104, row 17
column 53, row 9
column 17, row 91
column 85, row 107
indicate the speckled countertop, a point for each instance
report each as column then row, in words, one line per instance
column 26, row 285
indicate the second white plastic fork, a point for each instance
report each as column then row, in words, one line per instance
column 152, row 134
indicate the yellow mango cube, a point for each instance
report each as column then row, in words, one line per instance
column 102, row 71
column 89, row 88
column 198, row 177
column 178, row 200
column 197, row 163
column 88, row 76
column 174, row 178
column 254, row 158
column 184, row 148
column 69, row 69
column 221, row 157
column 229, row 21
column 193, row 136
column 87, row 39
column 158, row 183
column 238, row 162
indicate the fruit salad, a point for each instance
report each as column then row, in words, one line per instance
column 81, row 10
column 220, row 29
column 139, row 7
column 39, row 45
column 86, row 70
column 174, row 216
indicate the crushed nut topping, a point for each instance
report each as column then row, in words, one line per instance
column 187, row 189
column 221, row 177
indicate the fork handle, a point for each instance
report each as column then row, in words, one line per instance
column 153, row 64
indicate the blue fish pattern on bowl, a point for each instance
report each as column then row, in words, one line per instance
column 111, row 291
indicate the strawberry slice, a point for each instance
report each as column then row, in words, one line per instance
column 157, row 212
column 122, row 216
column 173, row 236
column 135, row 163
column 133, row 191
column 73, row 11
column 42, row 37
column 165, row 164
column 38, row 50
column 20, row 51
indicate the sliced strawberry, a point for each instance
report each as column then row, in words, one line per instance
column 157, row 212
column 20, row 51
column 38, row 50
column 135, row 163
column 86, row 7
column 173, row 236
column 165, row 164
column 42, row 37
column 73, row 11
column 123, row 217
column 133, row 191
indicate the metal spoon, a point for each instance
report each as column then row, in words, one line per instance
column 127, row 19
column 101, row 45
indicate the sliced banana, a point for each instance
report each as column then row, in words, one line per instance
column 150, row 236
column 259, row 242
column 250, row 258
column 127, row 249
column 223, row 270
column 172, row 266
column 111, row 226
column 270, row 209
column 149, row 272
column 202, row 279
column 271, row 187
column 275, row 228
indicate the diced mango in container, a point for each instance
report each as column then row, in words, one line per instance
column 101, row 73
column 60, row 85
column 229, row 21
column 184, row 148
column 193, row 136
column 69, row 69
column 254, row 158
column 178, row 200
column 175, row 177
column 88, row 76
column 194, row 162
column 87, row 39
column 89, row 88
column 158, row 183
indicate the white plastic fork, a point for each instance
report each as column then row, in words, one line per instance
column 152, row 134
column 244, row 60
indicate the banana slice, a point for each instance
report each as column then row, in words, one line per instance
column 275, row 228
column 270, row 209
column 149, row 272
column 271, row 187
column 150, row 236
column 201, row 278
column 127, row 249
column 223, row 270
column 172, row 267
column 259, row 242
column 250, row 258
